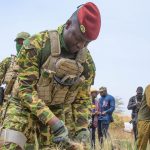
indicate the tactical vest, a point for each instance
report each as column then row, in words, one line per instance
column 60, row 77
column 11, row 75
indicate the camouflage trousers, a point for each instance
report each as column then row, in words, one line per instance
column 20, row 119
column 143, row 134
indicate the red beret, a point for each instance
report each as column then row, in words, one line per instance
column 90, row 20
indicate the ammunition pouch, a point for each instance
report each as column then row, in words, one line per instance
column 1, row 95
column 10, row 85
column 11, row 75
column 67, row 71
column 60, row 78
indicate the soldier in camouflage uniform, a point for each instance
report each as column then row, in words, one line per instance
column 7, row 66
column 143, row 124
column 53, row 72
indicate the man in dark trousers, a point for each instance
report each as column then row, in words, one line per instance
column 134, row 105
column 106, row 106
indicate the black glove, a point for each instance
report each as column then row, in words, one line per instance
column 82, row 135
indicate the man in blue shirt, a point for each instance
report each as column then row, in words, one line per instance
column 106, row 106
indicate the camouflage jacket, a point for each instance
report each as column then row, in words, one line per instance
column 34, row 52
column 4, row 65
column 144, row 112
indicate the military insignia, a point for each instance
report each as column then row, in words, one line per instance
column 82, row 28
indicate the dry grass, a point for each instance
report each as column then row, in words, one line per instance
column 119, row 140
column 69, row 146
column 122, row 140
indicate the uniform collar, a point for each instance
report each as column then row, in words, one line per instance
column 60, row 30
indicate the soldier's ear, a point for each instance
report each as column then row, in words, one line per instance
column 68, row 24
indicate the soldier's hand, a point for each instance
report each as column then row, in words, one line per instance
column 60, row 132
column 83, row 135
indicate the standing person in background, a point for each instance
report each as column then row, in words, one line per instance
column 94, row 112
column 8, row 67
column 143, row 124
column 107, row 107
column 134, row 105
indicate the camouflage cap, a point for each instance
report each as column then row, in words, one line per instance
column 22, row 35
column 101, row 89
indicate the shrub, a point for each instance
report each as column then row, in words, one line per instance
column 118, row 122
